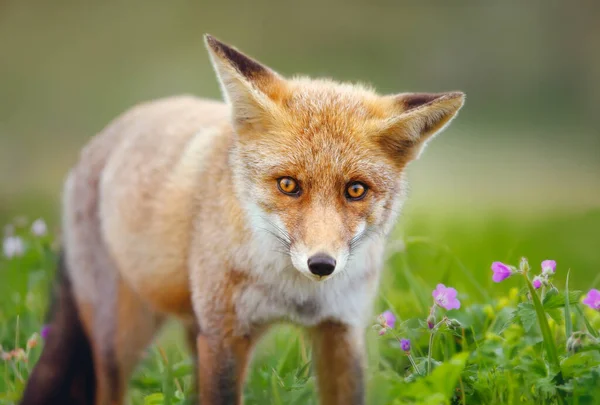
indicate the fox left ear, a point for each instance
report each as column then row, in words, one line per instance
column 247, row 85
column 417, row 118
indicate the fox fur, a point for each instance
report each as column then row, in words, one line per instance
column 174, row 210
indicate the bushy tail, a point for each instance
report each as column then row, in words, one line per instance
column 64, row 373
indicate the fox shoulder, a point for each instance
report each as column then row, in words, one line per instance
column 138, row 178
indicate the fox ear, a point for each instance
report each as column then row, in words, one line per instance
column 416, row 119
column 248, row 86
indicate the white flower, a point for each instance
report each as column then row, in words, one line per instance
column 39, row 228
column 13, row 246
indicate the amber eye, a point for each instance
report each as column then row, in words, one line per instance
column 356, row 191
column 288, row 186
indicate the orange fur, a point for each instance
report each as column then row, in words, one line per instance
column 338, row 362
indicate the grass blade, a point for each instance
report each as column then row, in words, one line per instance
column 547, row 335
column 544, row 327
column 446, row 249
column 568, row 322
column 588, row 325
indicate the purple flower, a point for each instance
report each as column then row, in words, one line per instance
column 405, row 345
column 390, row 319
column 45, row 331
column 537, row 282
column 501, row 271
column 592, row 299
column 549, row 267
column 445, row 297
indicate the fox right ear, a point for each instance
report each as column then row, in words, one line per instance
column 416, row 118
column 247, row 85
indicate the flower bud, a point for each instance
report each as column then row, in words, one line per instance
column 32, row 342
column 19, row 354
column 548, row 267
column 453, row 324
column 524, row 265
column 431, row 321
column 553, row 290
column 574, row 344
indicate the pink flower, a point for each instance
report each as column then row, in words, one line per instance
column 390, row 319
column 592, row 299
column 45, row 331
column 405, row 345
column 445, row 297
column 537, row 282
column 501, row 271
column 549, row 267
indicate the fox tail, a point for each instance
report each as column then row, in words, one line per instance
column 64, row 373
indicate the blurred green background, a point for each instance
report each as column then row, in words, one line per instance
column 518, row 173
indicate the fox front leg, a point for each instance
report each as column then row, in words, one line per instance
column 338, row 358
column 222, row 364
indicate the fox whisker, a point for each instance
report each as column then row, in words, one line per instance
column 356, row 241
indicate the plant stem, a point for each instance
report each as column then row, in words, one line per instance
column 543, row 292
column 430, row 352
column 412, row 361
column 410, row 358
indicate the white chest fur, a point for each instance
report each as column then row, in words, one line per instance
column 282, row 293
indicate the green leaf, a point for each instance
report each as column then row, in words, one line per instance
column 591, row 347
column 545, row 387
column 154, row 399
column 557, row 300
column 182, row 369
column 146, row 382
column 439, row 387
column 555, row 314
column 579, row 364
column 525, row 313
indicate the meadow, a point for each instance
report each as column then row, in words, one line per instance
column 516, row 175
column 502, row 346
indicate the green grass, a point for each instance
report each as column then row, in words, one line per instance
column 508, row 349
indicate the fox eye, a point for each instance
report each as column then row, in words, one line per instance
column 288, row 186
column 356, row 191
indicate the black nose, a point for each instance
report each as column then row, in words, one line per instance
column 321, row 264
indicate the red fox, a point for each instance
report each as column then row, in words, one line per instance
column 272, row 207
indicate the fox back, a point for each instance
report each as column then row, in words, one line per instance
column 273, row 206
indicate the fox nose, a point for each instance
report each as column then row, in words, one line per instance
column 321, row 264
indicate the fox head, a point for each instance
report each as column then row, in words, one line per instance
column 317, row 164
